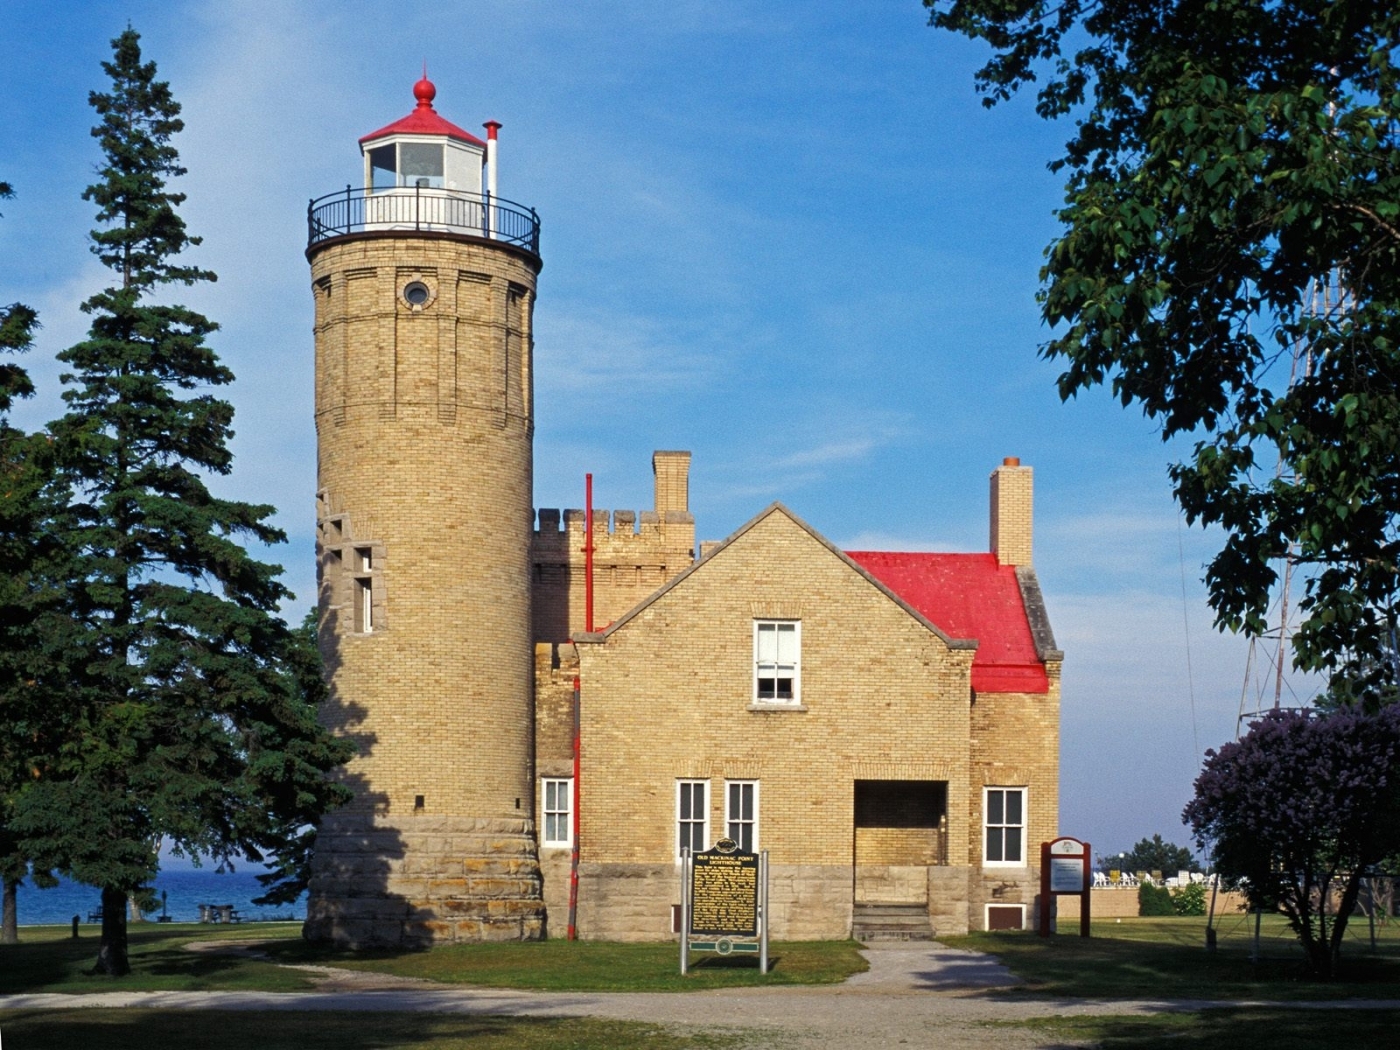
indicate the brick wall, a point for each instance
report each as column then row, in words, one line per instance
column 1011, row 512
column 668, row 695
column 633, row 555
column 424, row 426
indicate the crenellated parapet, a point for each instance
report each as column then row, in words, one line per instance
column 634, row 553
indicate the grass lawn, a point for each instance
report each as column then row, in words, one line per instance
column 1166, row 958
column 1255, row 1028
column 47, row 959
column 595, row 966
column 297, row 1030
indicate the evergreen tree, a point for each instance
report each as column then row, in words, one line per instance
column 189, row 723
column 1156, row 854
column 32, row 642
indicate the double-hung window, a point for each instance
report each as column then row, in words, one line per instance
column 741, row 813
column 692, row 816
column 777, row 662
column 558, row 798
column 1004, row 826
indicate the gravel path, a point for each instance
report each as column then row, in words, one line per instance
column 921, row 996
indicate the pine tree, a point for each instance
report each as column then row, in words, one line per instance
column 17, row 518
column 189, row 723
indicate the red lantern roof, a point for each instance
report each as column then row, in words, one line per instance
column 424, row 120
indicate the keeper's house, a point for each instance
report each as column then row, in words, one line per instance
column 885, row 724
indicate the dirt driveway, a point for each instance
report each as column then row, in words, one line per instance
column 925, row 996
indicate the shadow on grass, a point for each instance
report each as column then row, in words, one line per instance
column 1239, row 1029
column 1130, row 968
column 159, row 961
column 732, row 962
column 292, row 1030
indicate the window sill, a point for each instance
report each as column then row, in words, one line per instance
column 775, row 706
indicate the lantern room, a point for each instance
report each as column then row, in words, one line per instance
column 424, row 151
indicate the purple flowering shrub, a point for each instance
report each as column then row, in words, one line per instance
column 1301, row 809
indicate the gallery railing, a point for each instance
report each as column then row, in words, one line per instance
column 421, row 208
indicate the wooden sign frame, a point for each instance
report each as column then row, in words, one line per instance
column 1065, row 871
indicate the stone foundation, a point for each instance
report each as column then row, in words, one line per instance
column 633, row 902
column 426, row 880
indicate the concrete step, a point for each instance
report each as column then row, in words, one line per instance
column 891, row 922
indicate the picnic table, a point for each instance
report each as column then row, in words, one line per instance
column 219, row 913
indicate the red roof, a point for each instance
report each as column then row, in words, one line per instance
column 424, row 120
column 968, row 596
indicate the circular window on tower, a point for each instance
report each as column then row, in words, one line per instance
column 417, row 295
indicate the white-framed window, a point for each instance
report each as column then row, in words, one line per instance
column 364, row 590
column 777, row 671
column 692, row 815
column 741, row 813
column 1004, row 826
column 557, row 811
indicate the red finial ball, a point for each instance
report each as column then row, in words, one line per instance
column 424, row 91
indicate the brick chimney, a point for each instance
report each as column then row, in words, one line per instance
column 672, row 470
column 1011, row 512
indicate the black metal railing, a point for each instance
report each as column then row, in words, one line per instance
column 422, row 208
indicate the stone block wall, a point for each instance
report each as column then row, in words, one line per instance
column 382, row 883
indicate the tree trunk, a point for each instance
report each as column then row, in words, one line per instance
column 9, row 925
column 111, row 955
column 1351, row 890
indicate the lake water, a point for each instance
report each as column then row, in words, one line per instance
column 185, row 890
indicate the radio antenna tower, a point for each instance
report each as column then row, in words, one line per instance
column 1266, row 678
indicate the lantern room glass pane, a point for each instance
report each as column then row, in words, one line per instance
column 382, row 175
column 421, row 164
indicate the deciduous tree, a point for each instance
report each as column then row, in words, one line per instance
column 1300, row 808
column 188, row 723
column 1229, row 159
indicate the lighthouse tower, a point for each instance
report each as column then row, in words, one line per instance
column 424, row 284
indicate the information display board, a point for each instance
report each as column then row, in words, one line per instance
column 724, row 894
column 1064, row 871
column 1066, row 875
column 724, row 902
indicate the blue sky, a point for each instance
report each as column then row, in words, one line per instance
column 786, row 236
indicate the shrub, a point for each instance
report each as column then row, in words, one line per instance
column 1154, row 900
column 1189, row 899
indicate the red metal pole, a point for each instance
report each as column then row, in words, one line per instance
column 573, row 856
column 588, row 554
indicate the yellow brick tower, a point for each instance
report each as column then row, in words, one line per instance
column 424, row 284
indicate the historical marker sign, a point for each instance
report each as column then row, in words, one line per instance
column 724, row 894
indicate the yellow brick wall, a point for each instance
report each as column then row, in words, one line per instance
column 1015, row 742
column 1011, row 512
column 633, row 555
column 668, row 696
column 424, row 425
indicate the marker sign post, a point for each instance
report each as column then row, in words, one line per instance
column 1064, row 872
column 724, row 902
